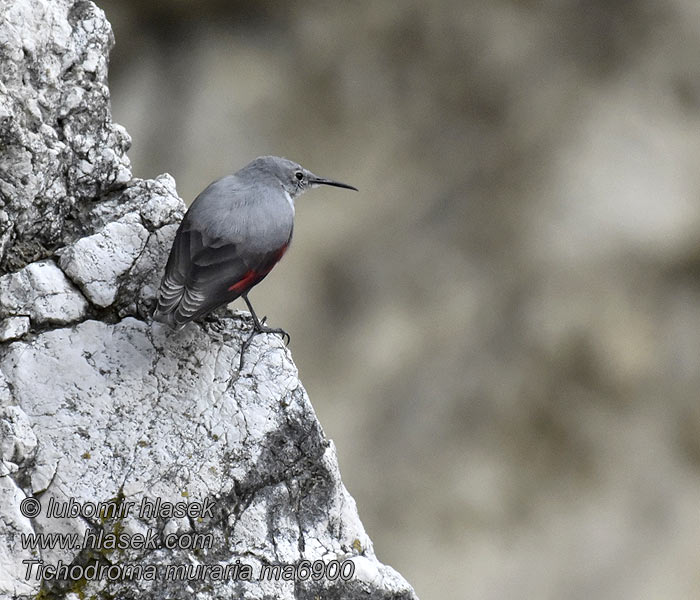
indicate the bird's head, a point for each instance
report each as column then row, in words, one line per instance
column 293, row 178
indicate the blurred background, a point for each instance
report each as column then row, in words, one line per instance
column 501, row 331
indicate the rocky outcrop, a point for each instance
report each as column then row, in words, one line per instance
column 151, row 466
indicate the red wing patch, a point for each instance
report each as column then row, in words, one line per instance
column 252, row 276
column 244, row 282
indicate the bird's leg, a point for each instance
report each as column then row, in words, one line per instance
column 259, row 327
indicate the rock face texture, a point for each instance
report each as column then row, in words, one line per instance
column 150, row 465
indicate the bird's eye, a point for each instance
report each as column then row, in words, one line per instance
column 299, row 175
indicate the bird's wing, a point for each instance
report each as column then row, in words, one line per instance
column 203, row 274
column 217, row 275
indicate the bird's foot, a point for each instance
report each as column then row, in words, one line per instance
column 214, row 327
column 215, row 321
column 262, row 328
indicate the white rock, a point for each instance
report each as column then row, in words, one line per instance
column 137, row 411
column 12, row 525
column 13, row 328
column 96, row 262
column 17, row 440
column 54, row 75
column 163, row 202
column 41, row 292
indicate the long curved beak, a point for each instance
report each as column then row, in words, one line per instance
column 322, row 181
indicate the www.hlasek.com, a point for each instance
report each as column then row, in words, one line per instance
column 97, row 539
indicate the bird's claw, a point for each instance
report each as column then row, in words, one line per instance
column 286, row 338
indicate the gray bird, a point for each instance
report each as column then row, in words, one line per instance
column 232, row 235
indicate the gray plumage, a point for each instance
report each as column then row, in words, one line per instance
column 234, row 232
